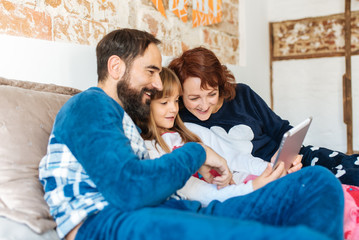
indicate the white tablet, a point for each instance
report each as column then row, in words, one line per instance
column 291, row 143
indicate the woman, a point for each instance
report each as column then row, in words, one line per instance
column 212, row 99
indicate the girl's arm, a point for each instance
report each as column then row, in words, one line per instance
column 199, row 190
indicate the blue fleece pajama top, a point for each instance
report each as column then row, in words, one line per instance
column 97, row 157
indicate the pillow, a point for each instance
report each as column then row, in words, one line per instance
column 27, row 113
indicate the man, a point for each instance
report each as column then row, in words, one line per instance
column 100, row 184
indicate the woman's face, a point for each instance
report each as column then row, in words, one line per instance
column 200, row 102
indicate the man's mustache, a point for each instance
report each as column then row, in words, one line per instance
column 152, row 91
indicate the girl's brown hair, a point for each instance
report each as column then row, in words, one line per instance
column 202, row 63
column 170, row 82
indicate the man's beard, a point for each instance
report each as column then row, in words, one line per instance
column 132, row 100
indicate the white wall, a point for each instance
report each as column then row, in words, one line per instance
column 314, row 86
column 279, row 10
column 47, row 62
column 254, row 47
column 42, row 61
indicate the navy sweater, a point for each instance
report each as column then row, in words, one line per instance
column 250, row 109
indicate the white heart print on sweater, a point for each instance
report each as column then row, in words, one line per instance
column 235, row 146
column 239, row 137
column 357, row 161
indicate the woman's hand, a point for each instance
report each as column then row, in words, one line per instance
column 216, row 162
column 297, row 164
column 269, row 175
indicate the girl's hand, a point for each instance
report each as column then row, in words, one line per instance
column 269, row 175
column 297, row 164
column 223, row 181
column 216, row 162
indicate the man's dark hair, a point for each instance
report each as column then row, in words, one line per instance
column 125, row 43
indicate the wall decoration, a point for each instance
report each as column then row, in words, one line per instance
column 313, row 37
column 206, row 12
column 327, row 36
column 159, row 6
column 179, row 8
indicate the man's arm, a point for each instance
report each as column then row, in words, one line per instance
column 93, row 130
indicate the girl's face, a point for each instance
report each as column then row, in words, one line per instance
column 200, row 102
column 165, row 110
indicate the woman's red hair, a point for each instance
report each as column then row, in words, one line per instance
column 202, row 63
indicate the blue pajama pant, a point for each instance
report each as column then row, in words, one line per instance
column 306, row 205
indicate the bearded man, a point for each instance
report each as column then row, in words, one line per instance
column 100, row 183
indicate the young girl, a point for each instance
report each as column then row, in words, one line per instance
column 165, row 132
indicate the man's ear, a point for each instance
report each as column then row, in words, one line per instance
column 116, row 67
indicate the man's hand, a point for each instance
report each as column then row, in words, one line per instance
column 216, row 162
column 269, row 175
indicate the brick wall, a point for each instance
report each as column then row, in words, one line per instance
column 85, row 22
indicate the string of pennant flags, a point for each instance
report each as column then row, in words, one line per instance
column 204, row 12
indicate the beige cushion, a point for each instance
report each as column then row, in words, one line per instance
column 27, row 112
